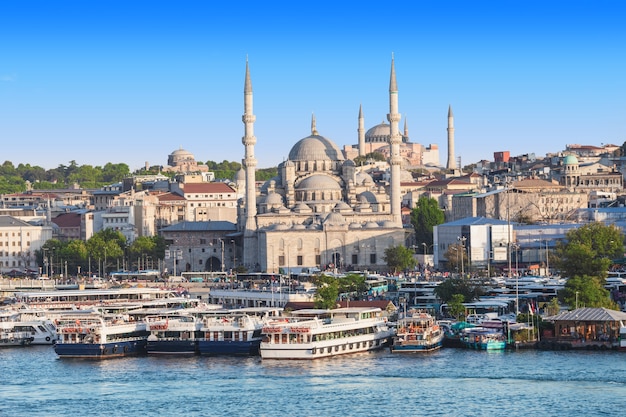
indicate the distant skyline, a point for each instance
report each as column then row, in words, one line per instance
column 132, row 81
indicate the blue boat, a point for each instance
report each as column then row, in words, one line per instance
column 94, row 335
column 481, row 338
column 233, row 332
column 173, row 333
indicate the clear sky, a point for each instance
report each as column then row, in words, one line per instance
column 132, row 81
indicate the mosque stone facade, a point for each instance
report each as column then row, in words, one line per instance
column 320, row 210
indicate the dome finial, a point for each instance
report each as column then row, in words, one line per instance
column 313, row 127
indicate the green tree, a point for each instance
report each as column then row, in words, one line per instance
column 589, row 250
column 399, row 258
column 586, row 291
column 327, row 292
column 352, row 284
column 456, row 307
column 372, row 156
column 425, row 215
column 449, row 288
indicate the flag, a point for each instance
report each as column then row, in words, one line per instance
column 530, row 308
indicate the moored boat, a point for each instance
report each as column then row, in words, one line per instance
column 418, row 332
column 314, row 333
column 231, row 332
column 37, row 330
column 99, row 335
column 481, row 338
column 172, row 333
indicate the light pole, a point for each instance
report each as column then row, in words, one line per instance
column 234, row 255
column 222, row 243
column 462, row 239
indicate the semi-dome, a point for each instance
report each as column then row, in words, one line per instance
column 274, row 199
column 315, row 148
column 334, row 219
column 318, row 182
column 240, row 175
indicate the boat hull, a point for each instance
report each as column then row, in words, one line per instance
column 172, row 347
column 100, row 351
column 413, row 347
column 229, row 348
column 326, row 348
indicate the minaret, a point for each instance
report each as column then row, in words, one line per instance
column 406, row 130
column 394, row 147
column 313, row 126
column 451, row 163
column 361, row 132
column 249, row 164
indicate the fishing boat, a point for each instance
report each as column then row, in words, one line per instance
column 482, row 338
column 38, row 328
column 316, row 333
column 172, row 333
column 234, row 332
column 100, row 335
column 418, row 332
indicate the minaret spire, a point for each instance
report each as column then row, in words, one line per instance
column 249, row 164
column 451, row 162
column 395, row 160
column 313, row 125
column 361, row 132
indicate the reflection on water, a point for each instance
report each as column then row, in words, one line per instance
column 447, row 382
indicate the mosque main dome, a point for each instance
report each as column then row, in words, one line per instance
column 315, row 148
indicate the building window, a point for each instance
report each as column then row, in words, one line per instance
column 318, row 259
column 299, row 260
column 355, row 259
column 281, row 260
column 372, row 258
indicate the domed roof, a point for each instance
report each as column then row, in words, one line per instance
column 318, row 182
column 315, row 148
column 181, row 152
column 381, row 133
column 342, row 207
column 334, row 219
column 370, row 225
column 570, row 160
column 388, row 223
column 274, row 199
column 240, row 175
column 364, row 178
column 382, row 130
column 355, row 226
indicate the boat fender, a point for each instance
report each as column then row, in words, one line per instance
column 47, row 338
column 564, row 330
column 11, row 340
column 125, row 349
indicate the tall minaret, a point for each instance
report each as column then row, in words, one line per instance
column 451, row 163
column 406, row 129
column 361, row 132
column 249, row 164
column 394, row 147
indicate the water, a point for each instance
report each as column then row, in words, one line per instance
column 450, row 382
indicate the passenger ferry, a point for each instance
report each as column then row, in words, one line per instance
column 99, row 335
column 173, row 333
column 9, row 335
column 234, row 332
column 316, row 333
column 481, row 338
column 40, row 329
column 418, row 332
column 69, row 299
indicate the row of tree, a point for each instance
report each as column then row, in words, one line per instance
column 105, row 250
column 17, row 179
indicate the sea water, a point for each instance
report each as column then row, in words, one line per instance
column 448, row 382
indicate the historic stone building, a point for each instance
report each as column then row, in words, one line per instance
column 320, row 211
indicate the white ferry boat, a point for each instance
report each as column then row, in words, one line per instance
column 316, row 333
column 9, row 335
column 40, row 329
column 95, row 335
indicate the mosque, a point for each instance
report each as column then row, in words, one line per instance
column 320, row 210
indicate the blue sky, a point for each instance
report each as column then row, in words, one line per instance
column 132, row 81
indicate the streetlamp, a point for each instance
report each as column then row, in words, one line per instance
column 462, row 239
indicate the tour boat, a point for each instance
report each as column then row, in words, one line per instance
column 316, row 333
column 172, row 333
column 98, row 335
column 231, row 332
column 481, row 338
column 39, row 329
column 622, row 338
column 418, row 332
